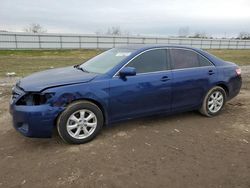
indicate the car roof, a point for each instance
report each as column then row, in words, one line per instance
column 142, row 47
column 152, row 46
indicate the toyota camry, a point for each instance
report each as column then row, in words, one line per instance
column 120, row 84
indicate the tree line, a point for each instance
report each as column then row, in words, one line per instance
column 184, row 32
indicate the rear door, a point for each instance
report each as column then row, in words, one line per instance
column 193, row 75
column 148, row 92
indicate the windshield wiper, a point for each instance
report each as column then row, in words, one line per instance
column 80, row 68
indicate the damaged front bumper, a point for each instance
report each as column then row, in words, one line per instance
column 32, row 120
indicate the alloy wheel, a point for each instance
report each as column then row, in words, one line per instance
column 215, row 101
column 81, row 124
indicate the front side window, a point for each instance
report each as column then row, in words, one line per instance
column 150, row 61
column 106, row 60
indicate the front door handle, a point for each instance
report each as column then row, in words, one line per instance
column 165, row 78
column 211, row 72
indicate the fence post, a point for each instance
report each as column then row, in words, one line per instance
column 156, row 40
column 97, row 42
column 80, row 42
column 60, row 41
column 39, row 42
column 211, row 42
column 220, row 44
column 237, row 44
column 228, row 46
column 113, row 42
column 16, row 41
column 191, row 42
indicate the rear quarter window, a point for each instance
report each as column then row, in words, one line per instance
column 204, row 61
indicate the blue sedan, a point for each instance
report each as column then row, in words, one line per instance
column 120, row 84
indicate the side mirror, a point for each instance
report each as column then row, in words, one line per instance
column 127, row 71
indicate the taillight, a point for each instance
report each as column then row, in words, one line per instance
column 238, row 71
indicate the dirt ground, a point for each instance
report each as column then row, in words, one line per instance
column 183, row 150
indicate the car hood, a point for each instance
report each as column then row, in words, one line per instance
column 54, row 77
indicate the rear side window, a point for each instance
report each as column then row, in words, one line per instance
column 182, row 58
column 150, row 61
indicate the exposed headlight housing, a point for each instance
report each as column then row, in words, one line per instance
column 34, row 99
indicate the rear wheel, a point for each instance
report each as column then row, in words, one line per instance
column 213, row 102
column 80, row 122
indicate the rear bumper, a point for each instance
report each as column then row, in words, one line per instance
column 34, row 121
column 234, row 87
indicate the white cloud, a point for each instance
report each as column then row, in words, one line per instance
column 214, row 17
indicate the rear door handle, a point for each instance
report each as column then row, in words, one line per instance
column 210, row 72
column 165, row 78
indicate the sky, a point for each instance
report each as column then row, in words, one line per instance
column 217, row 18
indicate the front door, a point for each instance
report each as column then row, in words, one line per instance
column 148, row 92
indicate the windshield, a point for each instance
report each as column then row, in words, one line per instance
column 106, row 60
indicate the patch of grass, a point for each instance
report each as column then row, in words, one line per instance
column 24, row 62
column 240, row 57
column 39, row 53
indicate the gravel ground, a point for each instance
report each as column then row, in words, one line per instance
column 183, row 150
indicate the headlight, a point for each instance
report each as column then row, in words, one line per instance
column 33, row 99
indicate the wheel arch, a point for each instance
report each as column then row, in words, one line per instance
column 220, row 84
column 97, row 103
column 225, row 87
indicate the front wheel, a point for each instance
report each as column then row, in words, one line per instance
column 213, row 102
column 80, row 122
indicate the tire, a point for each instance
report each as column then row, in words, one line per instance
column 80, row 122
column 210, row 100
